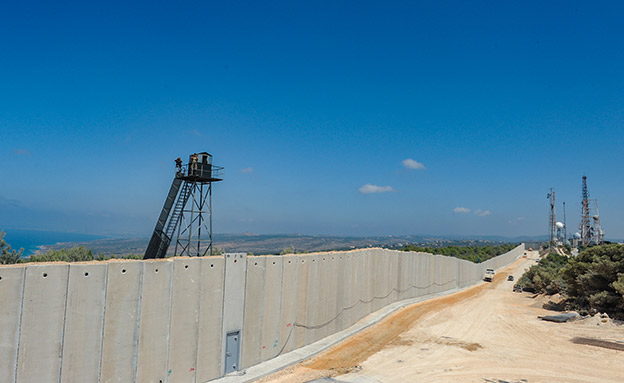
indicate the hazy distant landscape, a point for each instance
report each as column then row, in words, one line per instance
column 260, row 244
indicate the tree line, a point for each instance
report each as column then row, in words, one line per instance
column 476, row 254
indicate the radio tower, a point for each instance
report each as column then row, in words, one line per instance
column 590, row 229
column 552, row 223
column 585, row 227
column 565, row 227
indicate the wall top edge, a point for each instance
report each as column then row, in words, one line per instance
column 226, row 255
column 108, row 261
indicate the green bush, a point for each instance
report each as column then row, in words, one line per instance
column 8, row 256
column 545, row 277
column 76, row 254
column 595, row 279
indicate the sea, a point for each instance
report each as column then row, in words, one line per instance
column 31, row 240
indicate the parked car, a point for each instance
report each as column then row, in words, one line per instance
column 510, row 278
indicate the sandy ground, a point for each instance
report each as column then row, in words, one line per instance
column 484, row 334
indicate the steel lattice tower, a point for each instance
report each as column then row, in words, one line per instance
column 565, row 226
column 552, row 222
column 590, row 228
column 585, row 226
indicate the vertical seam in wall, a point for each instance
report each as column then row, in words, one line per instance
column 221, row 337
column 294, row 304
column 60, row 370
column 223, row 340
column 19, row 325
column 135, row 358
column 104, row 293
column 198, row 303
column 173, row 269
column 197, row 316
column 279, row 307
column 242, row 330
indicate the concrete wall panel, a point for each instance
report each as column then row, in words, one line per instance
column 155, row 310
column 347, row 292
column 312, row 311
column 338, row 285
column 376, row 280
column 301, row 310
column 43, row 314
column 11, row 293
column 84, row 322
column 288, row 304
column 234, row 299
column 210, row 332
column 120, row 336
column 324, row 312
column 364, row 285
column 184, row 323
column 254, row 311
column 272, row 307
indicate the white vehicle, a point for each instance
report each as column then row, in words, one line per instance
column 489, row 275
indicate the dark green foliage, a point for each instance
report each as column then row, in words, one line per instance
column 545, row 277
column 595, row 279
column 75, row 254
column 8, row 256
column 474, row 254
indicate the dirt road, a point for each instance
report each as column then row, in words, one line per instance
column 483, row 334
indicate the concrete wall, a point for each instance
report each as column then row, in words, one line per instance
column 328, row 292
column 167, row 320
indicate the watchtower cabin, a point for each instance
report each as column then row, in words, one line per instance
column 187, row 209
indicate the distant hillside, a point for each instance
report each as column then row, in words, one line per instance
column 260, row 244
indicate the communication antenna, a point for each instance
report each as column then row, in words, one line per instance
column 590, row 228
column 552, row 223
column 585, row 226
column 565, row 226
column 187, row 208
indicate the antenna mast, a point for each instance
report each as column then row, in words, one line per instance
column 552, row 224
column 585, row 227
column 565, row 226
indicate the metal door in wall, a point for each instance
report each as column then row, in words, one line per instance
column 232, row 346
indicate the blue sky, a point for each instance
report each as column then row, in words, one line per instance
column 364, row 118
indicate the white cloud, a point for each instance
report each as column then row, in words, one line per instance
column 482, row 213
column 247, row 170
column 460, row 209
column 196, row 132
column 369, row 189
column 412, row 164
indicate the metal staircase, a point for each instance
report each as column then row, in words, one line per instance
column 161, row 238
column 177, row 210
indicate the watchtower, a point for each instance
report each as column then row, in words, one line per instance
column 187, row 208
